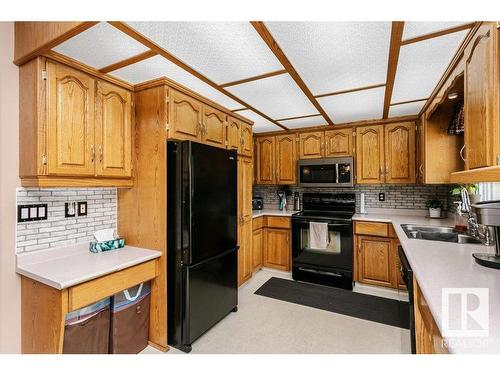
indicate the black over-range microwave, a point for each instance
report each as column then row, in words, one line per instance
column 326, row 172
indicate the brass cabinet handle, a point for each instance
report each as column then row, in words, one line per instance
column 100, row 153
column 359, row 248
column 386, row 170
column 381, row 173
column 92, row 153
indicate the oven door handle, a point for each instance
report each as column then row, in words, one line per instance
column 322, row 221
column 326, row 273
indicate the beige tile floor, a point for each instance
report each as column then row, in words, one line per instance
column 267, row 326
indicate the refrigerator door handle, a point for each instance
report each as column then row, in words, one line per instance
column 214, row 257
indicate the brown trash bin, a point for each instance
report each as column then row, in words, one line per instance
column 86, row 331
column 130, row 320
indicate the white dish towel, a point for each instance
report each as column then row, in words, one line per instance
column 318, row 235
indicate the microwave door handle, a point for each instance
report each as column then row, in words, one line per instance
column 336, row 173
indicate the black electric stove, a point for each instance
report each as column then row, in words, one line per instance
column 331, row 264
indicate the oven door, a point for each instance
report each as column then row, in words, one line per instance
column 338, row 253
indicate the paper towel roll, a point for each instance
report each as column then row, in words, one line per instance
column 362, row 208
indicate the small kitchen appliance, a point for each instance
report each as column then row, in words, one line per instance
column 257, row 203
column 326, row 172
column 488, row 225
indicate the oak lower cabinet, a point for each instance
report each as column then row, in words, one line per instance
column 376, row 259
column 75, row 130
column 277, row 248
column 257, row 243
column 385, row 154
column 245, row 257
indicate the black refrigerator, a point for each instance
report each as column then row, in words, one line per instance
column 202, row 257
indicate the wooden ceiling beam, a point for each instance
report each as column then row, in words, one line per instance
column 350, row 90
column 123, row 27
column 297, row 117
column 438, row 33
column 129, row 61
column 283, row 59
column 239, row 109
column 409, row 101
column 254, row 78
column 392, row 65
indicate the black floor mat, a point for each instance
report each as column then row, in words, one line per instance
column 363, row 306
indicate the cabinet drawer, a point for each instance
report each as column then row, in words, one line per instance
column 258, row 223
column 91, row 291
column 371, row 228
column 278, row 222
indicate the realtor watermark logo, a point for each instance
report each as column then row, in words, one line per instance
column 465, row 312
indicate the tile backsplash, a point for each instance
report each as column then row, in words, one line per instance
column 396, row 196
column 58, row 230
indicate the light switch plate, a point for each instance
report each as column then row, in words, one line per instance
column 31, row 212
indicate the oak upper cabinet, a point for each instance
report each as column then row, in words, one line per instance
column 233, row 133
column 375, row 261
column 213, row 130
column 277, row 248
column 185, row 116
column 369, row 154
column 70, row 122
column 338, row 143
column 265, row 162
column 113, row 135
column 286, row 159
column 399, row 153
column 311, row 145
column 481, row 107
column 246, row 140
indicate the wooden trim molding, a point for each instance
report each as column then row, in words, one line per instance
column 28, row 34
column 131, row 60
column 350, row 90
column 123, row 27
column 254, row 78
column 395, row 46
column 239, row 109
column 439, row 33
column 280, row 55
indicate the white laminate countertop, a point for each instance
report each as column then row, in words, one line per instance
column 64, row 267
column 271, row 212
column 439, row 265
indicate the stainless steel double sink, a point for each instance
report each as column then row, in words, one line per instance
column 437, row 233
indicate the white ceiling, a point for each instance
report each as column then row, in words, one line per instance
column 355, row 106
column 329, row 57
column 334, row 56
column 100, row 46
column 277, row 97
column 222, row 51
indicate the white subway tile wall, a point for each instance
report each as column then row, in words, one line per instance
column 58, row 230
column 396, row 196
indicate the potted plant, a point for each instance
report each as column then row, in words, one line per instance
column 435, row 206
column 472, row 189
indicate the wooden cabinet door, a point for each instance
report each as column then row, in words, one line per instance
column 420, row 139
column 338, row 143
column 245, row 260
column 233, row 134
column 113, row 131
column 257, row 238
column 375, row 261
column 245, row 173
column 277, row 251
column 400, row 153
column 311, row 145
column 70, row 128
column 479, row 105
column 398, row 279
column 184, row 117
column 246, row 140
column 214, row 127
column 370, row 155
column 286, row 159
column 264, row 162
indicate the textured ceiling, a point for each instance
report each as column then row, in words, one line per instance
column 328, row 56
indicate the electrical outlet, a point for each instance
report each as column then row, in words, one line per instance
column 82, row 208
column 381, row 197
column 70, row 209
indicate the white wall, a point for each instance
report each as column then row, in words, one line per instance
column 10, row 295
